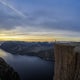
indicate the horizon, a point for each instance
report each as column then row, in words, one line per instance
column 39, row 20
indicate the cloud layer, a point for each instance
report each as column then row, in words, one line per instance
column 26, row 16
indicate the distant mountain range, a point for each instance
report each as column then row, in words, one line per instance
column 44, row 50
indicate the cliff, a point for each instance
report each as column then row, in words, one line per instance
column 7, row 72
column 67, row 62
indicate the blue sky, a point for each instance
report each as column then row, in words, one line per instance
column 51, row 17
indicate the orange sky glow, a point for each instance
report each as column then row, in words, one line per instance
column 34, row 38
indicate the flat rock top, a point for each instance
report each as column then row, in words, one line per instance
column 77, row 49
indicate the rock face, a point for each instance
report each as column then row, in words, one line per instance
column 67, row 62
column 7, row 72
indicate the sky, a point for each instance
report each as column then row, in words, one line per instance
column 40, row 20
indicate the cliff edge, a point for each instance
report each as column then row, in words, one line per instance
column 7, row 72
column 67, row 62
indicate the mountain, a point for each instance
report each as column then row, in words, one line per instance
column 44, row 50
column 47, row 54
column 7, row 72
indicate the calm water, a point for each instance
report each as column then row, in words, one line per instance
column 29, row 67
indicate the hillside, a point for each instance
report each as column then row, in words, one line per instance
column 41, row 49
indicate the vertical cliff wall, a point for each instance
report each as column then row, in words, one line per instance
column 67, row 62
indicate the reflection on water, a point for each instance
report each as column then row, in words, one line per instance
column 29, row 67
column 3, row 54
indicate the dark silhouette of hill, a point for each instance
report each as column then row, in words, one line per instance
column 7, row 72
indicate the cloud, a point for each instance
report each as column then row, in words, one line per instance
column 8, row 21
column 44, row 18
column 14, row 9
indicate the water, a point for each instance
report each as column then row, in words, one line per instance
column 29, row 67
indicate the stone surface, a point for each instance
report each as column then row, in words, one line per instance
column 67, row 62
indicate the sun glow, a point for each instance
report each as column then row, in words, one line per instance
column 4, row 37
column 33, row 37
